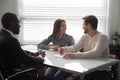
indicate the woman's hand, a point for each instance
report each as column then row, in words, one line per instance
column 54, row 47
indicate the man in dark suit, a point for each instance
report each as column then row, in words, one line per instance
column 11, row 52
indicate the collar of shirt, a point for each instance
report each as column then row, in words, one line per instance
column 63, row 36
column 9, row 32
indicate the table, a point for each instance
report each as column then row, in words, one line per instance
column 80, row 66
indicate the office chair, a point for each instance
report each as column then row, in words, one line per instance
column 13, row 76
column 24, row 74
column 1, row 76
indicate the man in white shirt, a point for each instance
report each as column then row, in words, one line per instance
column 94, row 45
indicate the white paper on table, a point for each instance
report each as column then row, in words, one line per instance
column 58, row 55
column 75, row 66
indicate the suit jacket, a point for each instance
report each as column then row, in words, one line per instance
column 12, row 54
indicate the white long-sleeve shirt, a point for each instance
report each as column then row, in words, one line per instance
column 95, row 47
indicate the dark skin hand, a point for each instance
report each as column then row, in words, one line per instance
column 41, row 52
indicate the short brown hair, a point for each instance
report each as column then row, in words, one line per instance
column 92, row 20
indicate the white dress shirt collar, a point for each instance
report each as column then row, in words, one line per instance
column 9, row 32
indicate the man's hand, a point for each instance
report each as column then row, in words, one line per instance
column 69, row 55
column 41, row 52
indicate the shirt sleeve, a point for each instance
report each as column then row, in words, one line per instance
column 20, row 56
column 75, row 47
column 71, row 41
column 44, row 44
column 100, row 46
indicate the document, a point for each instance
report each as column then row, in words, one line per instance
column 75, row 66
column 58, row 55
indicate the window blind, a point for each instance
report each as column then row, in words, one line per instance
column 38, row 16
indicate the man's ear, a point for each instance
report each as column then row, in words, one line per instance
column 11, row 26
column 88, row 25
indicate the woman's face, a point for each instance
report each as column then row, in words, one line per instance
column 63, row 27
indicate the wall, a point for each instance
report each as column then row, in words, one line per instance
column 115, row 16
column 7, row 6
column 114, row 20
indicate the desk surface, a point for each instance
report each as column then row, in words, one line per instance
column 81, row 66
column 77, row 65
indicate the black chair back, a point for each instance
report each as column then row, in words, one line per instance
column 1, row 72
column 1, row 75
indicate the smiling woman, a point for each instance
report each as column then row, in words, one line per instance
column 37, row 16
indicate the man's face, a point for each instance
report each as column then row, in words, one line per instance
column 15, row 27
column 84, row 26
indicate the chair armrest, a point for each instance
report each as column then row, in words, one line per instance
column 19, row 73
